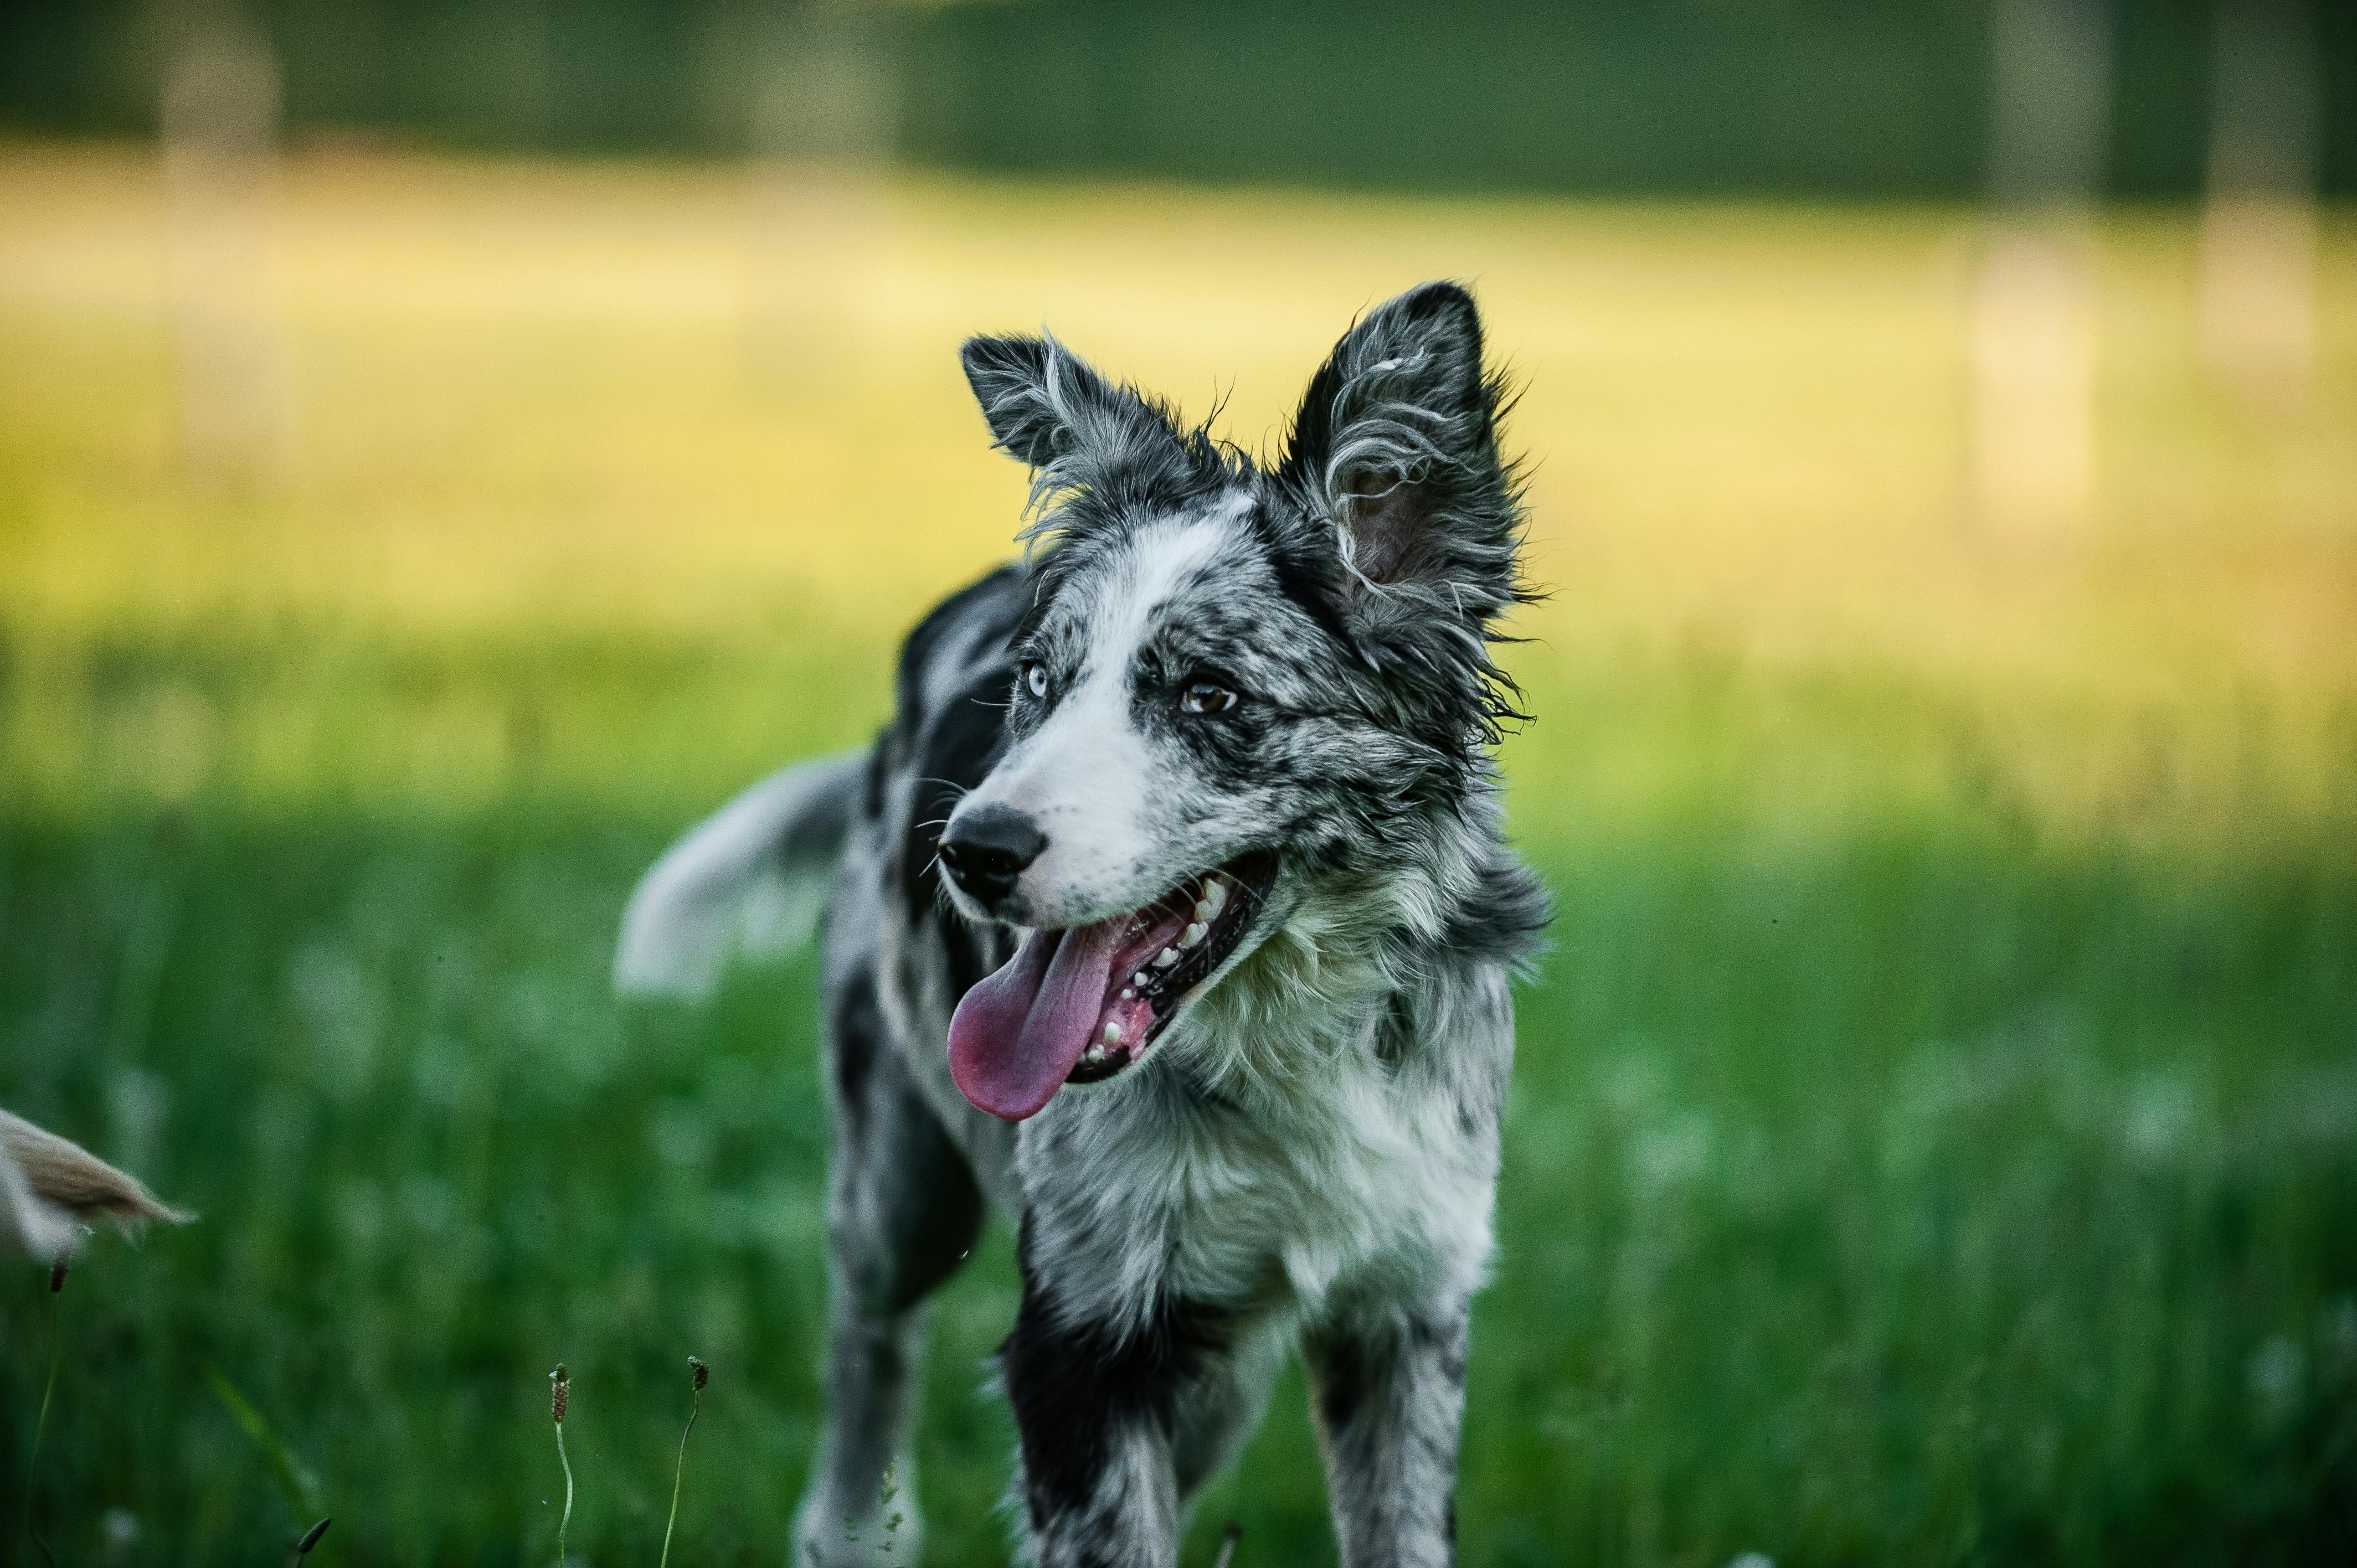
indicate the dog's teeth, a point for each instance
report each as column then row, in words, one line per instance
column 1215, row 898
column 1166, row 958
column 1191, row 935
column 1113, row 1032
column 1203, row 911
column 1128, row 994
column 1138, row 979
column 1094, row 1055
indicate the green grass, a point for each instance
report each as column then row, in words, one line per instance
column 1934, row 1133
column 1928, row 1192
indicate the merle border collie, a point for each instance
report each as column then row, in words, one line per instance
column 1172, row 917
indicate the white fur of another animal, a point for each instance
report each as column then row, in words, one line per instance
column 50, row 1187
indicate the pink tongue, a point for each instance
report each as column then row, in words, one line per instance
column 1018, row 1033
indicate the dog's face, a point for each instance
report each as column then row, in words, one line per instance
column 1149, row 695
column 1237, row 682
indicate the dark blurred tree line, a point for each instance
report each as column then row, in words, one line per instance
column 1874, row 98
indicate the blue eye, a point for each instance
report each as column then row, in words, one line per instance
column 1036, row 677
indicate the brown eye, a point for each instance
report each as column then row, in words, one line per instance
column 1205, row 697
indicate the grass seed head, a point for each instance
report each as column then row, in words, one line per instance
column 560, row 1390
column 58, row 1271
column 699, row 1372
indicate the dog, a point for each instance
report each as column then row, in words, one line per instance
column 1172, row 917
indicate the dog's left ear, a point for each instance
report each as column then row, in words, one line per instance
column 1046, row 404
column 1396, row 445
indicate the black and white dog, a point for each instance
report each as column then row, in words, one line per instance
column 1171, row 916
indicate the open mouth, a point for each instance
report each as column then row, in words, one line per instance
column 1081, row 1005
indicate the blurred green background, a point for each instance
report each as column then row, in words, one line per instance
column 1827, row 97
column 1934, row 1135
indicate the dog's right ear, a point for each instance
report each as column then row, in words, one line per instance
column 1045, row 404
column 1396, row 445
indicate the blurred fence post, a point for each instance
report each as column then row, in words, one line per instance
column 2258, row 262
column 218, row 129
column 2034, row 304
column 819, row 136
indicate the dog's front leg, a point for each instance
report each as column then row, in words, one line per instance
column 1096, row 1403
column 1389, row 1392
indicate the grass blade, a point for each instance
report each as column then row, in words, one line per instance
column 295, row 1483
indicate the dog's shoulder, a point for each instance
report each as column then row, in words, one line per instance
column 948, row 720
column 962, row 639
column 892, row 937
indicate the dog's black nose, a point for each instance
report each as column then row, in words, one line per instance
column 985, row 851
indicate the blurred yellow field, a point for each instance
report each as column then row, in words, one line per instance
column 695, row 401
column 718, row 408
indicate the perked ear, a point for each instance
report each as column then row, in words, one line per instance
column 1396, row 444
column 1045, row 404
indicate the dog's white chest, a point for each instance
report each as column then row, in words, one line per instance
column 1374, row 1178
column 1279, row 1200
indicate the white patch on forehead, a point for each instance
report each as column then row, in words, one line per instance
column 1157, row 560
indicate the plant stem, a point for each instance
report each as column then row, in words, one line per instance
column 40, row 1430
column 567, row 1516
column 695, row 1403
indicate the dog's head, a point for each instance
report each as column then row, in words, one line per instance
column 1238, row 683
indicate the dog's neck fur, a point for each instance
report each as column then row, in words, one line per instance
column 1328, row 1111
column 1350, row 952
